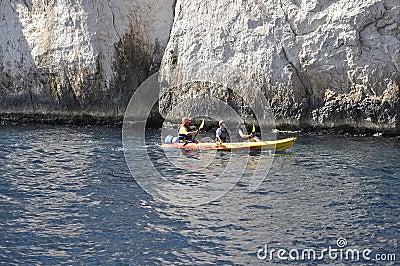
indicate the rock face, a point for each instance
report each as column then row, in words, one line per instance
column 319, row 63
column 73, row 58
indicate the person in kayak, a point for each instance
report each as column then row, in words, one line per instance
column 221, row 134
column 186, row 132
column 242, row 132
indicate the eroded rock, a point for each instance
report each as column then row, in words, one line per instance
column 78, row 58
column 319, row 63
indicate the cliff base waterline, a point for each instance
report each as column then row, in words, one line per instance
column 155, row 121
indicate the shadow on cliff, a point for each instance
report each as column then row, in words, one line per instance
column 28, row 90
column 16, row 67
column 45, row 89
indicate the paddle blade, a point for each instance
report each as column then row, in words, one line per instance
column 201, row 125
column 219, row 144
column 254, row 129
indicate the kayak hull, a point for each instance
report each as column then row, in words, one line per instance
column 279, row 145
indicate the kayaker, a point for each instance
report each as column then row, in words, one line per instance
column 186, row 132
column 242, row 132
column 221, row 133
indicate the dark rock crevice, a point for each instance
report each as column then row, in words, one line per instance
column 113, row 18
column 287, row 19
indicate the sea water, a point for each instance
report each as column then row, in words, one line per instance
column 67, row 196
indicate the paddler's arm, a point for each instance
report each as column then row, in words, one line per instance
column 217, row 135
column 183, row 131
column 191, row 133
column 244, row 136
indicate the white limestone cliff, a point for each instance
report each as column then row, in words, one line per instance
column 78, row 57
column 320, row 63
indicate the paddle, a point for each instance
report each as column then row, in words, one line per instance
column 200, row 127
column 220, row 145
column 252, row 132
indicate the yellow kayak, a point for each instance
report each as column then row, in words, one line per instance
column 279, row 145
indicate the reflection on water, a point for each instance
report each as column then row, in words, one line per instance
column 67, row 196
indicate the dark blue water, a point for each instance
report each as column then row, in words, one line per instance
column 68, row 197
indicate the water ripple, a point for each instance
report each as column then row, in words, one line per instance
column 67, row 197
